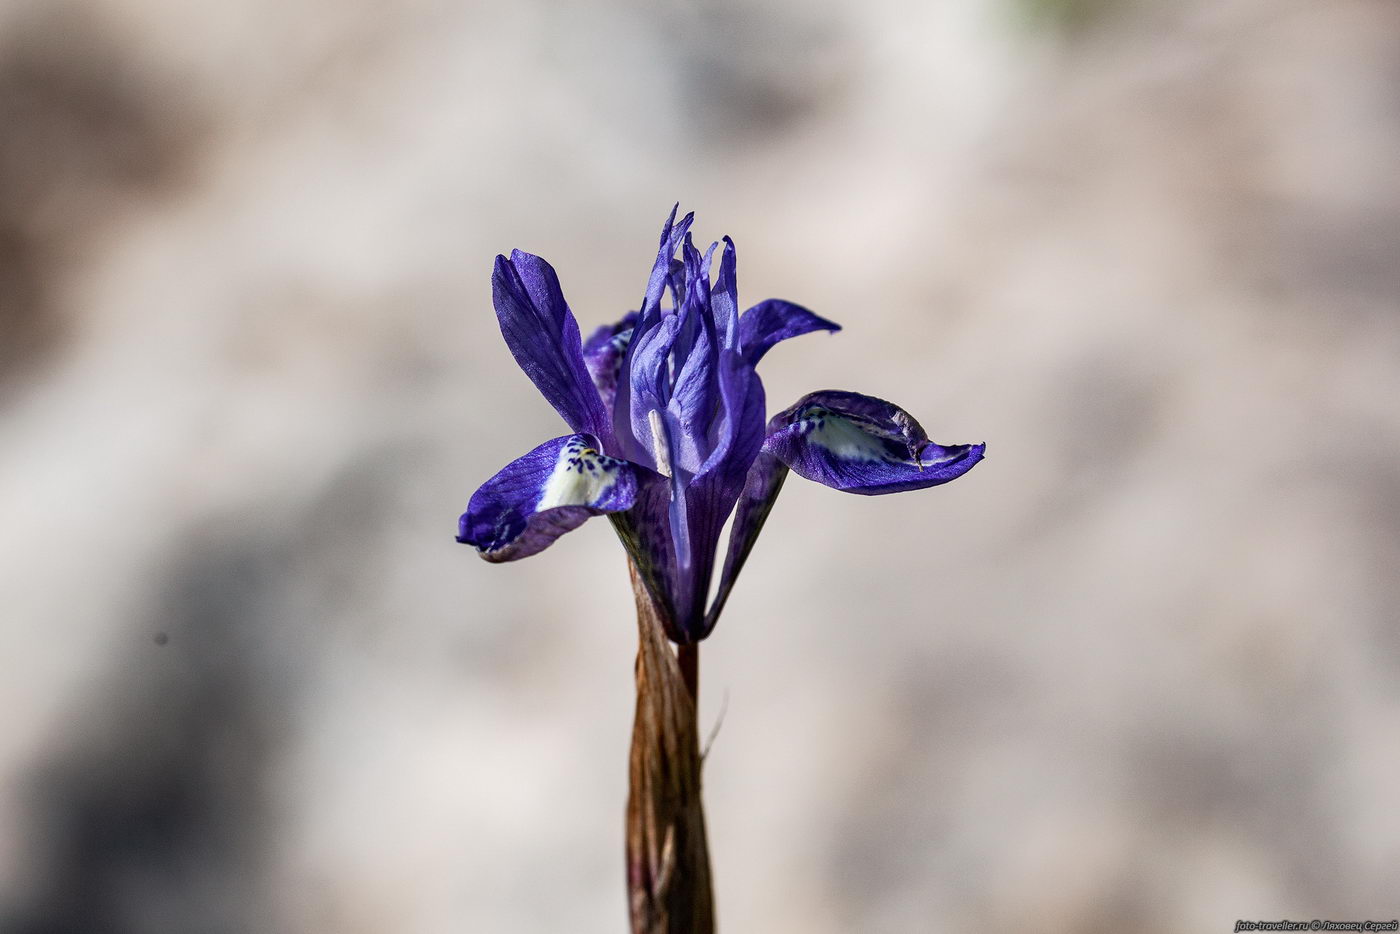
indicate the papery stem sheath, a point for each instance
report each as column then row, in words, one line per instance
column 668, row 862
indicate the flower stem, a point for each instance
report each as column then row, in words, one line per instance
column 688, row 658
column 668, row 863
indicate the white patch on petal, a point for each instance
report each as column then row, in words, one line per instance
column 855, row 440
column 581, row 477
column 846, row 440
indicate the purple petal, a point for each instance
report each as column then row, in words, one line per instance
column 665, row 529
column 672, row 234
column 603, row 354
column 860, row 444
column 644, row 363
column 668, row 439
column 737, row 436
column 643, row 392
column 737, row 432
column 725, row 299
column 693, row 397
column 675, row 282
column 761, row 488
column 538, row 497
column 544, row 339
column 774, row 320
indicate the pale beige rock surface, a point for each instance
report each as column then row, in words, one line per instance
column 1137, row 671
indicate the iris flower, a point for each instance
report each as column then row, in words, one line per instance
column 666, row 413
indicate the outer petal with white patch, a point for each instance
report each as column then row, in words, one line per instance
column 536, row 498
column 860, row 444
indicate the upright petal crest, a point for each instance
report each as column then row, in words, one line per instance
column 672, row 235
column 645, row 357
column 725, row 302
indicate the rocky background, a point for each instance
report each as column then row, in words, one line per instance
column 1137, row 671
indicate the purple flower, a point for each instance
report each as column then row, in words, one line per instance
column 667, row 414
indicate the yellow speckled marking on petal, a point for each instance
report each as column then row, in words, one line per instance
column 581, row 476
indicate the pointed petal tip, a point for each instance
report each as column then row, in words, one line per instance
column 671, row 222
column 975, row 452
column 522, row 260
column 965, row 456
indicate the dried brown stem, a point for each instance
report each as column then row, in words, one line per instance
column 668, row 863
column 688, row 658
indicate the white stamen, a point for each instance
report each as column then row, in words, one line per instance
column 658, row 443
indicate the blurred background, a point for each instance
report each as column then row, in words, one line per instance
column 1137, row 671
